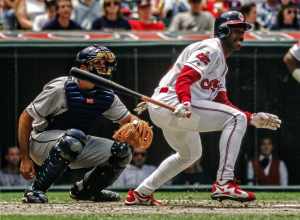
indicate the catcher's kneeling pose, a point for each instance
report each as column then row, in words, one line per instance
column 53, row 133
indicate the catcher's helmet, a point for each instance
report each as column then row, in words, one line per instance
column 227, row 20
column 98, row 59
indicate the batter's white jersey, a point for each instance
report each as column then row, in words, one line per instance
column 205, row 57
column 295, row 51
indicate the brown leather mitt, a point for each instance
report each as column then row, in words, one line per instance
column 137, row 133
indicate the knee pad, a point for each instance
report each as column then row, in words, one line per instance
column 68, row 147
column 71, row 144
column 121, row 154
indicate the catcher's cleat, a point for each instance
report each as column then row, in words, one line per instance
column 134, row 198
column 34, row 196
column 231, row 191
column 101, row 196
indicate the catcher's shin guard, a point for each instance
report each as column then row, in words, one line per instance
column 102, row 176
column 68, row 147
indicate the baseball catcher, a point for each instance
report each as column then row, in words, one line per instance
column 54, row 133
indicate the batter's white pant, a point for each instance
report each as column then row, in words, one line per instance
column 183, row 136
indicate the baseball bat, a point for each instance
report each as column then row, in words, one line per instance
column 100, row 81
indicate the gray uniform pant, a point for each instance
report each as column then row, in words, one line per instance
column 96, row 151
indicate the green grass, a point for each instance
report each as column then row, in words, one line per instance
column 63, row 197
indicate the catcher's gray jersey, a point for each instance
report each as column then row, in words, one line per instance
column 63, row 105
column 52, row 102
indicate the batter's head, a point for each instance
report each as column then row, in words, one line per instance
column 97, row 59
column 227, row 20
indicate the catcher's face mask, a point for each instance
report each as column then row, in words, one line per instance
column 97, row 59
column 103, row 64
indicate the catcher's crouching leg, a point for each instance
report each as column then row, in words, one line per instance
column 66, row 150
column 102, row 176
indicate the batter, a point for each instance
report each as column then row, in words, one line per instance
column 196, row 86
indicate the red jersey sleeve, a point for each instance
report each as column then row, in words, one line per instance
column 184, row 81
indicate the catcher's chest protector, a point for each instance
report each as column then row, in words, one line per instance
column 84, row 107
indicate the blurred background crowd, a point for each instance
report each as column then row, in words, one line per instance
column 155, row 15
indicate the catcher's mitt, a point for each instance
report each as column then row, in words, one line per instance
column 137, row 133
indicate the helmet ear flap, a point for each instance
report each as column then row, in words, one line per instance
column 224, row 31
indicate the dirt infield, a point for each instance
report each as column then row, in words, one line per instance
column 170, row 207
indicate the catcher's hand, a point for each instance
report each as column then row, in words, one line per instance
column 265, row 120
column 137, row 133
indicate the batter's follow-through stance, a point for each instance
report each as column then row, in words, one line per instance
column 54, row 131
column 196, row 84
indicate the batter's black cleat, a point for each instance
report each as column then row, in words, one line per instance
column 34, row 196
column 100, row 196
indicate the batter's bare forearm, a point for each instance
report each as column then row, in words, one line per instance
column 24, row 130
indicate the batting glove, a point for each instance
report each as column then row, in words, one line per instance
column 265, row 120
column 183, row 110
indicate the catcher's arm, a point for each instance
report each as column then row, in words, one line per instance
column 24, row 128
column 127, row 119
